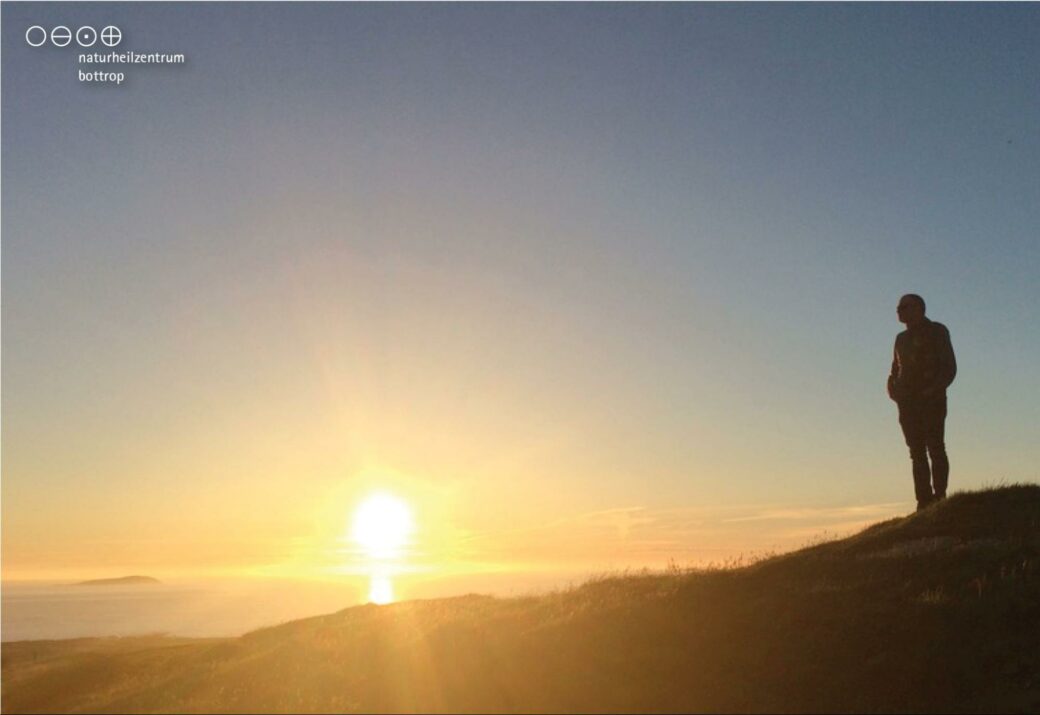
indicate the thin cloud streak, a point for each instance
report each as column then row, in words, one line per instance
column 820, row 513
column 652, row 536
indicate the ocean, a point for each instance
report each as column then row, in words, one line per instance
column 222, row 608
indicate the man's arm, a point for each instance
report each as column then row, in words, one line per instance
column 893, row 376
column 947, row 360
column 947, row 369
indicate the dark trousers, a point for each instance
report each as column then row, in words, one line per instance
column 923, row 423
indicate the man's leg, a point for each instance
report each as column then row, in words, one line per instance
column 910, row 421
column 935, row 428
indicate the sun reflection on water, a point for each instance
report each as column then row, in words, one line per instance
column 380, row 590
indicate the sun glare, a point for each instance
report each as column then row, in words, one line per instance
column 382, row 526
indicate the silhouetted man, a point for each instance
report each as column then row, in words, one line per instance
column 923, row 366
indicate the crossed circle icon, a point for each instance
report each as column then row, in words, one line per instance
column 111, row 35
column 61, row 36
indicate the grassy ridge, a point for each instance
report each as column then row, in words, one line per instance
column 939, row 611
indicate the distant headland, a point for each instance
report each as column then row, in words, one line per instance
column 123, row 581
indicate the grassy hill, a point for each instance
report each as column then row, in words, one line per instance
column 935, row 612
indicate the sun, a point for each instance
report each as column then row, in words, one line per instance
column 382, row 526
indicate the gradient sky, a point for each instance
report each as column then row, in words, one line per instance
column 584, row 283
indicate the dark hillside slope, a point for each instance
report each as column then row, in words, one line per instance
column 938, row 611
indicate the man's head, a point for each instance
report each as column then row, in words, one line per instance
column 910, row 309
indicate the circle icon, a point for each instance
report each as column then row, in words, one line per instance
column 61, row 36
column 86, row 36
column 111, row 35
column 41, row 35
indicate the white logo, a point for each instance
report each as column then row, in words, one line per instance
column 86, row 36
column 111, row 35
column 36, row 32
column 61, row 36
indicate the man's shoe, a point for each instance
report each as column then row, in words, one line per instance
column 922, row 505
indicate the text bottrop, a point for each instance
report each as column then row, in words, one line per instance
column 99, row 76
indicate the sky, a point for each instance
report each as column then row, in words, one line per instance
column 582, row 284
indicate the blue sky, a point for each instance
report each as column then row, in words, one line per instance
column 550, row 259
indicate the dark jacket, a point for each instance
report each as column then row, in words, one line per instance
column 923, row 365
